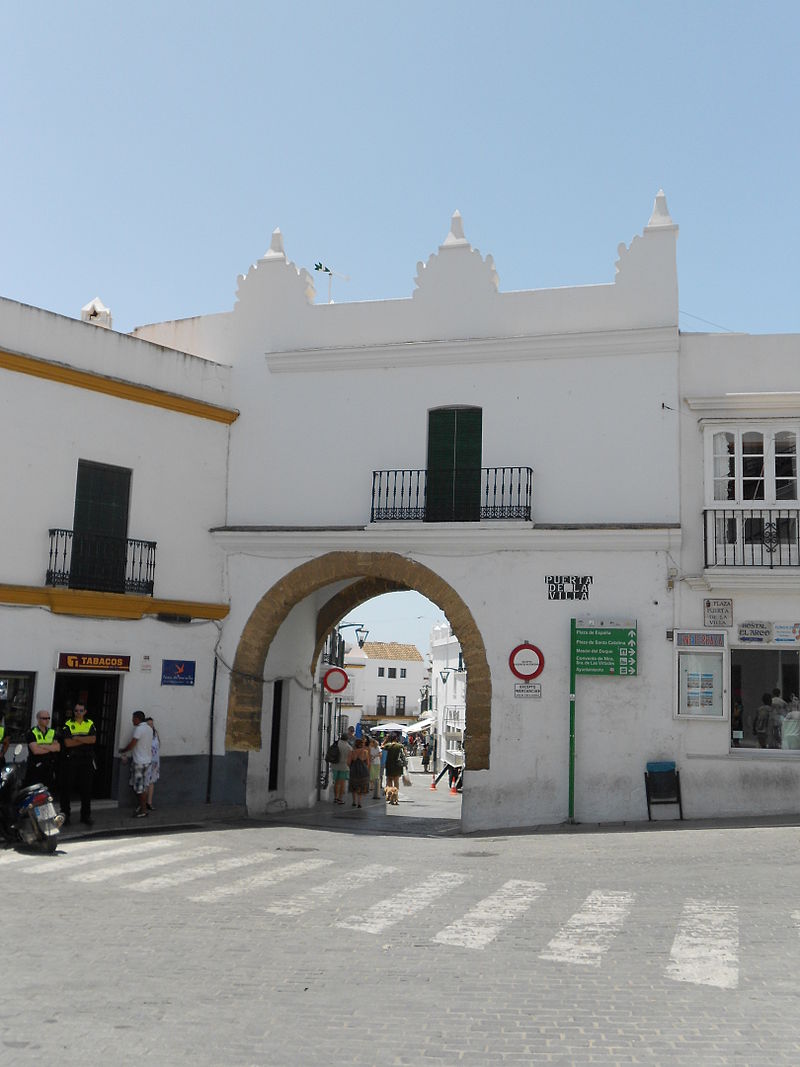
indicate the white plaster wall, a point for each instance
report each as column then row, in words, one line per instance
column 177, row 486
column 45, row 335
column 602, row 447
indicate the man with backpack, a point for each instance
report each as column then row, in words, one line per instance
column 337, row 758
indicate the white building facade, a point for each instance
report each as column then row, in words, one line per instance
column 536, row 458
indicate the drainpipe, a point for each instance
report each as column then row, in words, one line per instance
column 211, row 731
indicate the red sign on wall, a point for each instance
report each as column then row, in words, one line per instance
column 92, row 661
column 526, row 662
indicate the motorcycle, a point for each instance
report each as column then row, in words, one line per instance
column 27, row 813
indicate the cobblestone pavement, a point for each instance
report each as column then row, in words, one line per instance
column 281, row 944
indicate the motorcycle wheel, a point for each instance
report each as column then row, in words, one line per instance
column 50, row 843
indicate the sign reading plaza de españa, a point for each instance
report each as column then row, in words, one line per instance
column 605, row 646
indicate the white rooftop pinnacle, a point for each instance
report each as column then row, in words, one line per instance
column 660, row 216
column 275, row 246
column 456, row 234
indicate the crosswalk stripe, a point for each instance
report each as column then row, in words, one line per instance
column 104, row 873
column 59, row 864
column 589, row 933
column 706, row 947
column 255, row 881
column 399, row 907
column 484, row 922
column 330, row 890
column 191, row 874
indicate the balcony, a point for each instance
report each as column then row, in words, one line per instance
column 102, row 564
column 752, row 537
column 464, row 495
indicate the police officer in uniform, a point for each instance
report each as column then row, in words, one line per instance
column 43, row 752
column 79, row 739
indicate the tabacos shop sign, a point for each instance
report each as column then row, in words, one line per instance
column 92, row 661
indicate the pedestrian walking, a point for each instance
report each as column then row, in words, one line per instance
column 375, row 756
column 340, row 769
column 395, row 761
column 79, row 739
column 154, row 770
column 140, row 748
column 358, row 762
column 426, row 756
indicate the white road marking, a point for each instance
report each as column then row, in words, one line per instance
column 706, row 948
column 190, row 874
column 104, row 873
column 59, row 864
column 255, row 881
column 484, row 922
column 399, row 907
column 330, row 890
column 590, row 931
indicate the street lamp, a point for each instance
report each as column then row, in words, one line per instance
column 444, row 674
column 362, row 633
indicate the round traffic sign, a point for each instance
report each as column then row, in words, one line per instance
column 335, row 680
column 526, row 662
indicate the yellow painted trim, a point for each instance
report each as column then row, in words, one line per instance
column 99, row 383
column 86, row 602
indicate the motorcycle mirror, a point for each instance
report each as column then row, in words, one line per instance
column 15, row 751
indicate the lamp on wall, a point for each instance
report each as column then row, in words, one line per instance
column 444, row 674
column 362, row 633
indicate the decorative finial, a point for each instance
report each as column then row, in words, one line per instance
column 456, row 234
column 660, row 216
column 275, row 245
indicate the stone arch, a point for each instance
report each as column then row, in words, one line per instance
column 369, row 570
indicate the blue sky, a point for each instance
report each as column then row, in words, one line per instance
column 149, row 150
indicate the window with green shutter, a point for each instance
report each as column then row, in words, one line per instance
column 100, row 527
column 454, row 465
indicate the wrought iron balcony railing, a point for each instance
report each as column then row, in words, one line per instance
column 102, row 564
column 752, row 537
column 455, row 716
column 463, row 495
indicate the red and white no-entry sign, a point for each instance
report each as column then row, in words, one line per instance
column 335, row 680
column 526, row 662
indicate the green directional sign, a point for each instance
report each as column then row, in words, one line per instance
column 610, row 650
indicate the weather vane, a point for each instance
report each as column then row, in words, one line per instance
column 331, row 275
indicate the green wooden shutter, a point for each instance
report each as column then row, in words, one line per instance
column 100, row 527
column 467, row 476
column 454, row 465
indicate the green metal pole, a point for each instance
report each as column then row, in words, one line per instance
column 572, row 676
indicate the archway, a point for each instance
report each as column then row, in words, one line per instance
column 371, row 572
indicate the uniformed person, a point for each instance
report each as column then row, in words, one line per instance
column 3, row 738
column 43, row 752
column 79, row 740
